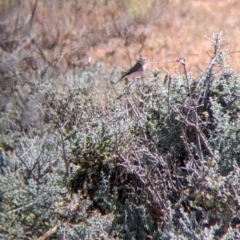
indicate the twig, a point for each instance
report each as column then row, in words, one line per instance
column 182, row 61
column 169, row 91
column 126, row 43
column 30, row 22
column 202, row 138
column 48, row 233
column 184, row 138
column 22, row 208
column 64, row 151
column 205, row 79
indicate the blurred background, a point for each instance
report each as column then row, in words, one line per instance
column 70, row 34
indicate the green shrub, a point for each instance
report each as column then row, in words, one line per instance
column 157, row 159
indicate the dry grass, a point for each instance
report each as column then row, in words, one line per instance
column 181, row 31
column 114, row 32
column 74, row 32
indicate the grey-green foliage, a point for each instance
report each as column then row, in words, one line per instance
column 32, row 188
column 225, row 107
column 153, row 157
column 134, row 222
column 31, row 208
column 151, row 160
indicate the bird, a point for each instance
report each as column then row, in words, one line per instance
column 136, row 70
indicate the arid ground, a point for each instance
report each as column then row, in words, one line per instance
column 117, row 32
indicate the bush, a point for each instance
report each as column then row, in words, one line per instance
column 157, row 159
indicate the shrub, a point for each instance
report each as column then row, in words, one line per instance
column 157, row 159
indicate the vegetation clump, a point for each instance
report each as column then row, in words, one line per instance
column 155, row 158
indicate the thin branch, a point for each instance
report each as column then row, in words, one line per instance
column 182, row 61
column 169, row 92
column 22, row 208
column 48, row 233
column 30, row 22
column 64, row 151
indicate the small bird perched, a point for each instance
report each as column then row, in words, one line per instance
column 136, row 70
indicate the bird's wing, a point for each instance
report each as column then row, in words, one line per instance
column 135, row 68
